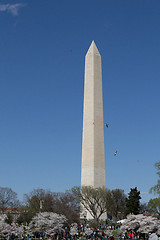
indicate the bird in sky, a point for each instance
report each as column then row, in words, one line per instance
column 107, row 125
column 115, row 153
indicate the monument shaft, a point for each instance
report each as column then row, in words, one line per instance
column 93, row 163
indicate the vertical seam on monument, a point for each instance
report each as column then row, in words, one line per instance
column 92, row 56
column 94, row 110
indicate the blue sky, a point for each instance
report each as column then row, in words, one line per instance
column 42, row 50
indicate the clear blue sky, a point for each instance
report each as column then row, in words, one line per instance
column 42, row 49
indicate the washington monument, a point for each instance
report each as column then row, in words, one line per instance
column 93, row 160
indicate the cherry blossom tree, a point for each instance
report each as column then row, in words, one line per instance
column 7, row 229
column 3, row 224
column 139, row 223
column 48, row 222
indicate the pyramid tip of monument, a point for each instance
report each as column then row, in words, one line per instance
column 93, row 49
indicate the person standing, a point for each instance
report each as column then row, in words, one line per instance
column 154, row 236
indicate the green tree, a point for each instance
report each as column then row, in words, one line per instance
column 156, row 188
column 25, row 215
column 118, row 206
column 133, row 201
column 9, row 218
column 154, row 206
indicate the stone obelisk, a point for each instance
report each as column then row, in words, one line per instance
column 93, row 161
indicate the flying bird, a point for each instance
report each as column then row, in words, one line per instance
column 115, row 153
column 107, row 125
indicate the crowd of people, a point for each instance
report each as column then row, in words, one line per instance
column 81, row 232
